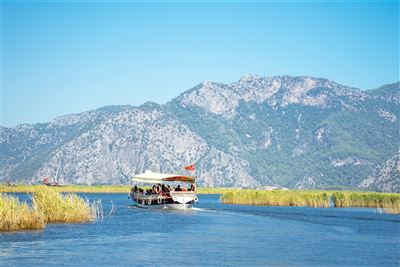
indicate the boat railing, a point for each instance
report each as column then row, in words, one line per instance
column 146, row 196
column 163, row 194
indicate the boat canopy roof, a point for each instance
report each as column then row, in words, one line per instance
column 156, row 177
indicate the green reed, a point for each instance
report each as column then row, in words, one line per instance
column 390, row 202
column 277, row 198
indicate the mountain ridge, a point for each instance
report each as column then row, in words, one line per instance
column 294, row 131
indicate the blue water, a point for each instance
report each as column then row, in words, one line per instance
column 213, row 234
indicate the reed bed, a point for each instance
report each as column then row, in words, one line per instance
column 16, row 215
column 390, row 202
column 48, row 206
column 58, row 208
column 68, row 188
column 96, row 189
column 277, row 198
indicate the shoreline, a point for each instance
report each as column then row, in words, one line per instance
column 390, row 202
column 109, row 189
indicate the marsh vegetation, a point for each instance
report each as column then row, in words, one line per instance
column 277, row 198
column 16, row 215
column 117, row 189
column 47, row 206
column 68, row 188
column 389, row 202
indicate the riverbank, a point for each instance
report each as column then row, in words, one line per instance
column 277, row 198
column 117, row 189
column 389, row 202
column 47, row 206
column 67, row 188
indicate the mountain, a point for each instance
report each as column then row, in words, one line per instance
column 386, row 177
column 298, row 132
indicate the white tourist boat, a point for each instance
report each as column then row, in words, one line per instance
column 163, row 191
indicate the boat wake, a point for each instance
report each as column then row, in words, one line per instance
column 303, row 215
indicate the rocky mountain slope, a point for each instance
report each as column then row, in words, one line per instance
column 385, row 178
column 298, row 132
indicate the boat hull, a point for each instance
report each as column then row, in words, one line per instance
column 184, row 201
column 165, row 206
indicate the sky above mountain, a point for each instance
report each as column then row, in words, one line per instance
column 63, row 57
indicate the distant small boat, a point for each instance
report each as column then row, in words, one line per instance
column 11, row 183
column 47, row 183
column 165, row 191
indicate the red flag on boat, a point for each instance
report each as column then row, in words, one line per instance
column 190, row 168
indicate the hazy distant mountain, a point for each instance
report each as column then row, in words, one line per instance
column 298, row 132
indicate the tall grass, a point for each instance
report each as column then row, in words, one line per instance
column 96, row 189
column 15, row 215
column 68, row 188
column 390, row 202
column 48, row 206
column 58, row 208
column 277, row 198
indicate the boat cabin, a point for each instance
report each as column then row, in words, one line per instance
column 153, row 189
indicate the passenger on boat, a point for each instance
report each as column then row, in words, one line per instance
column 164, row 189
column 178, row 188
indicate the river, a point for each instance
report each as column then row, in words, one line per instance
column 212, row 234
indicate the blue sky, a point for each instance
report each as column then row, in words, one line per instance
column 60, row 58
